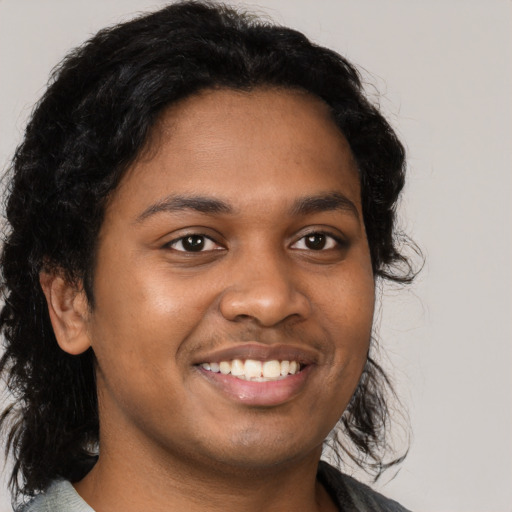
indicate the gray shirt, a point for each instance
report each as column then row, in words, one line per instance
column 61, row 496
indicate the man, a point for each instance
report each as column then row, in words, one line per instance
column 198, row 212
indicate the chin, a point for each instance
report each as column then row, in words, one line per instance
column 251, row 450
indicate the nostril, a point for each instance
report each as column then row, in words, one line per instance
column 242, row 317
column 267, row 303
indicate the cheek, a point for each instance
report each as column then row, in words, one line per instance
column 348, row 310
column 145, row 319
column 137, row 335
column 349, row 302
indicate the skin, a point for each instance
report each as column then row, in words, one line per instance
column 170, row 434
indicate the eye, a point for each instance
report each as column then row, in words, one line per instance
column 194, row 243
column 317, row 242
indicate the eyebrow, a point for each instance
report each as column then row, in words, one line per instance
column 303, row 206
column 177, row 203
column 324, row 203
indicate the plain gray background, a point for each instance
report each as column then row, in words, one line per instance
column 444, row 71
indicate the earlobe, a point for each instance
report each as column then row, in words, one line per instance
column 69, row 311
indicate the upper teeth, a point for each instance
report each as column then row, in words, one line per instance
column 254, row 370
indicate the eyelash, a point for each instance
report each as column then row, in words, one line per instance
column 181, row 239
column 335, row 242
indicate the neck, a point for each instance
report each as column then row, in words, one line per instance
column 140, row 470
column 136, row 480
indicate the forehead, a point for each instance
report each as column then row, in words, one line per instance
column 242, row 145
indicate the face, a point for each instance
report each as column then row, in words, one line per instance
column 233, row 288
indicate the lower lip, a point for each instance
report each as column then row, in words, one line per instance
column 264, row 394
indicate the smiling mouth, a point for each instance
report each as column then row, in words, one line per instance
column 254, row 370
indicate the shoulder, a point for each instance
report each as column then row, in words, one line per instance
column 352, row 495
column 61, row 496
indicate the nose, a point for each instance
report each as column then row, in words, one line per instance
column 264, row 289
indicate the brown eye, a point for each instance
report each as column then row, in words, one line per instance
column 315, row 241
column 194, row 243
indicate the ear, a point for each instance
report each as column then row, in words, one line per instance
column 69, row 312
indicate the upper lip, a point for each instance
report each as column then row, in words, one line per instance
column 260, row 352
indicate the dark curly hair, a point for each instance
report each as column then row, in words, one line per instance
column 90, row 125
